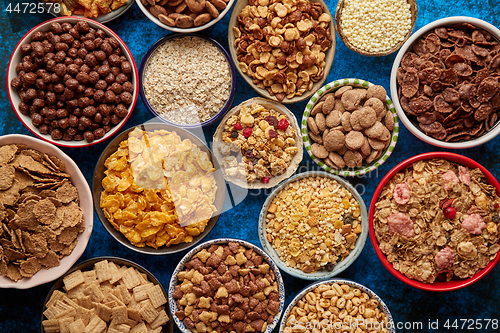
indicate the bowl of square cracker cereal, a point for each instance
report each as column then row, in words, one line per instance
column 229, row 284
column 46, row 212
column 350, row 127
column 157, row 189
column 444, row 82
column 435, row 221
column 107, row 294
column 314, row 225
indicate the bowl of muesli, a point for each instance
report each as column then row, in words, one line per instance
column 314, row 225
column 187, row 80
column 257, row 144
column 434, row 221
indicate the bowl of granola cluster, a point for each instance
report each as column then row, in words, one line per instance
column 434, row 221
column 283, row 49
column 314, row 225
column 444, row 82
column 258, row 144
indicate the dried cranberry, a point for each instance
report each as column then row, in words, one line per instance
column 283, row 124
column 237, row 126
column 272, row 134
column 264, row 180
column 234, row 134
column 254, row 160
column 450, row 212
column 247, row 132
column 272, row 121
column 249, row 154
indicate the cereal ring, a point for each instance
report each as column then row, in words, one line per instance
column 333, row 119
column 368, row 117
column 353, row 159
column 354, row 140
column 320, row 121
column 342, row 90
column 336, row 159
column 312, row 125
column 334, row 140
column 346, row 121
column 319, row 151
column 376, row 92
column 389, row 121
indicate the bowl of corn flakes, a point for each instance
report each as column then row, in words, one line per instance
column 157, row 190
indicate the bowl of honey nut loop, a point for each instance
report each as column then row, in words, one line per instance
column 283, row 49
column 350, row 127
column 72, row 82
column 258, row 144
column 377, row 27
column 187, row 80
column 229, row 284
column 444, row 82
column 46, row 212
column 344, row 299
column 109, row 294
column 185, row 16
column 102, row 11
column 156, row 189
column 435, row 220
column 314, row 225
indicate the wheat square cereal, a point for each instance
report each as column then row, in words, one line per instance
column 156, row 296
column 148, row 311
column 66, row 314
column 89, row 276
column 162, row 319
column 56, row 296
column 131, row 278
column 115, row 273
column 95, row 292
column 140, row 292
column 139, row 328
column 102, row 310
column 52, row 312
column 131, row 322
column 77, row 292
column 72, row 280
column 115, row 299
column 51, row 325
column 155, row 330
column 133, row 312
column 85, row 314
column 125, row 294
column 118, row 328
column 96, row 325
column 64, row 324
column 119, row 315
column 85, row 302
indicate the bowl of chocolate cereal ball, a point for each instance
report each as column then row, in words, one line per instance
column 350, row 127
column 435, row 221
column 72, row 81
column 314, row 225
column 375, row 28
column 187, row 80
column 229, row 284
column 444, row 82
column 292, row 63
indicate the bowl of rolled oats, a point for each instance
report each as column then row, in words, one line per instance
column 229, row 284
column 350, row 127
column 187, row 80
column 158, row 189
column 444, row 82
column 314, row 225
column 283, row 49
column 258, row 144
column 435, row 221
column 351, row 306
column 109, row 294
column 46, row 210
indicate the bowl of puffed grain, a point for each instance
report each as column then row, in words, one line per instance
column 375, row 28
column 314, row 225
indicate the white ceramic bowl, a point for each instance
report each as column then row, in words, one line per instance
column 175, row 29
column 390, row 322
column 413, row 126
column 339, row 267
column 15, row 99
column 86, row 204
column 365, row 168
column 174, row 281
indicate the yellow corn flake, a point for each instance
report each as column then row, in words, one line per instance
column 159, row 190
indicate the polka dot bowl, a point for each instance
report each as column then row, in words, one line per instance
column 365, row 168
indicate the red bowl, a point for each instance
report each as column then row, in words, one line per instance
column 437, row 285
column 15, row 99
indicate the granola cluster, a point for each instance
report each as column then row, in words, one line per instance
column 313, row 223
column 438, row 220
column 265, row 140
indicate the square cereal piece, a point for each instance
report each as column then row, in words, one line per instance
column 115, row 273
column 77, row 326
column 85, row 302
column 162, row 319
column 122, row 290
column 119, row 315
column 131, row 278
column 156, row 296
column 52, row 311
column 84, row 314
column 51, row 325
column 89, row 276
column 103, row 311
column 144, row 278
column 155, row 330
column 139, row 328
column 132, row 323
column 72, row 280
column 148, row 311
column 134, row 312
column 118, row 328
column 56, row 296
column 64, row 324
column 103, row 271
column 95, row 292
column 112, row 298
column 96, row 325
column 66, row 313
column 76, row 292
column 140, row 292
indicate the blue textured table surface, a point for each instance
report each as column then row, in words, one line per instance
column 20, row 310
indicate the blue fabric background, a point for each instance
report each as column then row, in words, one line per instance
column 20, row 310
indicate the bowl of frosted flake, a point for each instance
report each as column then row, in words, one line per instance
column 375, row 28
